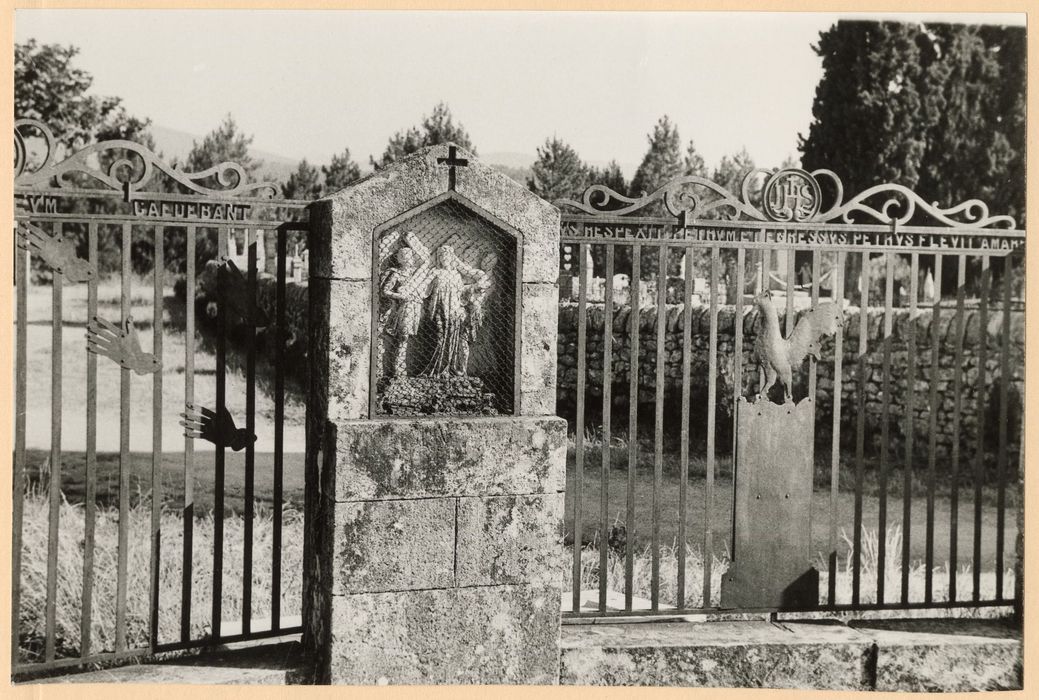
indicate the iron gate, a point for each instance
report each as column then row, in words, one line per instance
column 912, row 398
column 113, row 530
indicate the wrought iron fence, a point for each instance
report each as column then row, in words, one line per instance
column 70, row 234
column 667, row 371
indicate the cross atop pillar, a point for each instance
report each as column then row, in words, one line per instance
column 451, row 161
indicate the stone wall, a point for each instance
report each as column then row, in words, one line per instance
column 900, row 350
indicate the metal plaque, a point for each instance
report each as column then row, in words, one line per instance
column 772, row 540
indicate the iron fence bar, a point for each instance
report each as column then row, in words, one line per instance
column 571, row 617
column 765, row 246
column 812, row 369
column 980, row 389
column 860, row 427
column 687, row 356
column 1004, row 418
column 279, row 427
column 33, row 668
column 250, row 429
column 658, row 427
column 737, row 383
column 22, row 259
column 606, row 458
column 210, row 199
column 885, row 427
column 232, row 639
column 957, row 384
column 606, row 219
column 188, row 513
column 634, row 290
column 159, row 269
column 118, row 219
column 835, row 444
column 218, row 455
column 582, row 341
column 932, row 443
column 54, row 490
column 124, row 449
column 789, row 293
column 90, row 497
column 910, row 422
column 712, row 397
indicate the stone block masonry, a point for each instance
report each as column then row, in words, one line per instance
column 924, row 374
column 447, row 551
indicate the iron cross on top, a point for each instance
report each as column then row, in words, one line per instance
column 451, row 161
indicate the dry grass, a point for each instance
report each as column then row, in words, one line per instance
column 68, row 605
column 668, row 590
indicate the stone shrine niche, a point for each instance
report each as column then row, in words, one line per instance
column 444, row 314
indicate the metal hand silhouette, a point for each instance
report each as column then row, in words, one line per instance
column 59, row 253
column 217, row 428
column 237, row 295
column 121, row 345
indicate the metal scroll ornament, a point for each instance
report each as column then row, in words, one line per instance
column 132, row 171
column 789, row 195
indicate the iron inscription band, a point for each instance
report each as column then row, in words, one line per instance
column 792, row 235
column 212, row 211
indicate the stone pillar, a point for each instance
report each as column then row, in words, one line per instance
column 434, row 542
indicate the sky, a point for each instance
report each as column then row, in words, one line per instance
column 309, row 83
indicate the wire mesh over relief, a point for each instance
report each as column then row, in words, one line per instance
column 445, row 336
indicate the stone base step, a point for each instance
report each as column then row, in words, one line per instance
column 890, row 655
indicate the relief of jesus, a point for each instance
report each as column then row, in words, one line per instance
column 454, row 286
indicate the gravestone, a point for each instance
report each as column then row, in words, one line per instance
column 434, row 550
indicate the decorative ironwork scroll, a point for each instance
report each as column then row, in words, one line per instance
column 132, row 171
column 790, row 195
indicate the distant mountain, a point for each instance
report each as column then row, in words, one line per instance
column 172, row 143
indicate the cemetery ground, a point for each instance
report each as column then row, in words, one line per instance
column 70, row 544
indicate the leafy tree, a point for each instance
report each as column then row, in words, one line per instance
column 558, row 172
column 305, row 183
column 340, row 172
column 49, row 86
column 438, row 127
column 937, row 108
column 663, row 160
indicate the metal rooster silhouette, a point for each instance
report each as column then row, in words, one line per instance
column 121, row 345
column 217, row 428
column 238, row 297
column 776, row 355
column 59, row 253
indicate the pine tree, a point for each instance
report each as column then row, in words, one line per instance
column 305, row 183
column 558, row 172
column 694, row 164
column 610, row 176
column 438, row 127
column 340, row 172
column 663, row 160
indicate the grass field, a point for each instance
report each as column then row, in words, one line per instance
column 68, row 608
